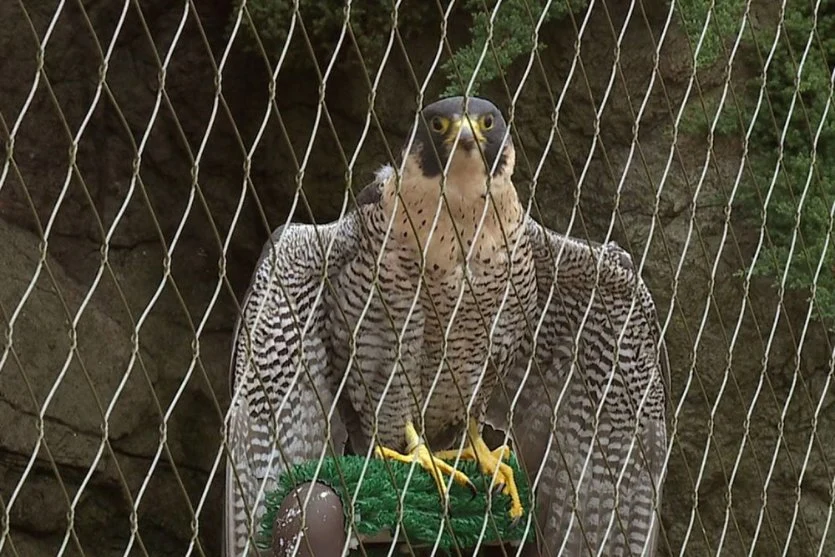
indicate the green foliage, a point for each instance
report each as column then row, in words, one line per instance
column 725, row 21
column 798, row 225
column 371, row 20
column 512, row 36
column 803, row 161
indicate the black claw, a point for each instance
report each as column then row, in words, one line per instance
column 515, row 522
column 498, row 488
column 473, row 490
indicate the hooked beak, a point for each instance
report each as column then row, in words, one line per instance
column 468, row 130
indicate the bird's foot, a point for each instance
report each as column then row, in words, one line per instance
column 420, row 453
column 491, row 463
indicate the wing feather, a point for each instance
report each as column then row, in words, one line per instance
column 588, row 420
column 283, row 383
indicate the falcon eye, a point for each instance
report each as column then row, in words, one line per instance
column 487, row 122
column 439, row 124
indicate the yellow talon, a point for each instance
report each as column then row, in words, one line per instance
column 488, row 462
column 419, row 453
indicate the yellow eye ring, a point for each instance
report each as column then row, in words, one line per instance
column 438, row 124
column 487, row 122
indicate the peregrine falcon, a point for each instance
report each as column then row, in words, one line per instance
column 391, row 329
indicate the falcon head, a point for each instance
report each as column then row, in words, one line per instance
column 480, row 132
column 456, row 146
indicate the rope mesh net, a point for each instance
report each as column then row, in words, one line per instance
column 150, row 148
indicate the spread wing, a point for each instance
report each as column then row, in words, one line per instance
column 588, row 415
column 283, row 385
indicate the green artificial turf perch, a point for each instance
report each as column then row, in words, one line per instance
column 378, row 502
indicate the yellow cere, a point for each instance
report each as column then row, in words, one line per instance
column 478, row 124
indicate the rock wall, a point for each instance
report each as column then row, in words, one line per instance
column 114, row 370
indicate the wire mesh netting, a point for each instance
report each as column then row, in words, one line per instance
column 150, row 148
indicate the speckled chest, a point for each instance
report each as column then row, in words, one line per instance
column 429, row 342
column 474, row 321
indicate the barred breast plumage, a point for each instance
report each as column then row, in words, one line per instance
column 429, row 341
